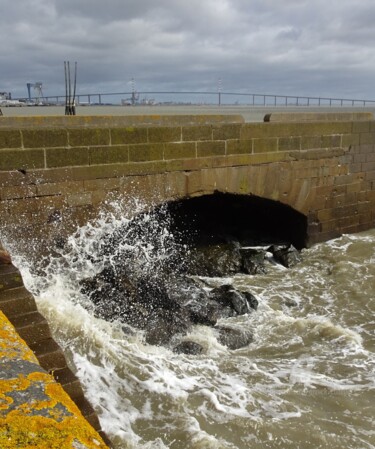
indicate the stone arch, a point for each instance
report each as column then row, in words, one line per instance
column 244, row 217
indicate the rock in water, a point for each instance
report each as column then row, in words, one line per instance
column 188, row 347
column 215, row 260
column 163, row 324
column 287, row 255
column 232, row 301
column 253, row 261
column 251, row 300
column 233, row 338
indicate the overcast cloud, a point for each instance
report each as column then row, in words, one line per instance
column 301, row 47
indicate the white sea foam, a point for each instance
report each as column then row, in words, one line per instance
column 310, row 341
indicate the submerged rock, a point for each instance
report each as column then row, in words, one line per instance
column 188, row 347
column 163, row 324
column 215, row 260
column 232, row 301
column 233, row 338
column 163, row 307
column 287, row 255
column 253, row 261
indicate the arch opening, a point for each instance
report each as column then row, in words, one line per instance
column 249, row 219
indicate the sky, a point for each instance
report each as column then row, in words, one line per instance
column 285, row 47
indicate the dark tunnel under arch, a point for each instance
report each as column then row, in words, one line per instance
column 247, row 218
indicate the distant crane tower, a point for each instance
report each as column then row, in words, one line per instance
column 37, row 91
column 135, row 95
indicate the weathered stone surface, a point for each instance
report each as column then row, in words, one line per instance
column 236, row 146
column 185, row 144
column 188, row 347
column 21, row 159
column 109, row 155
column 210, row 148
column 226, row 131
column 317, row 116
column 44, row 138
column 35, row 411
column 265, row 145
column 196, row 133
column 164, row 134
column 232, row 301
column 253, row 261
column 287, row 255
column 146, row 152
column 181, row 150
column 65, row 157
column 216, row 260
column 233, row 338
column 10, row 138
column 88, row 137
column 128, row 135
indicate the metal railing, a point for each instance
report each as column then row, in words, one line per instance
column 204, row 98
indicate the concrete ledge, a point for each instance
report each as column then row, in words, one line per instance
column 318, row 116
column 29, row 331
column 116, row 121
column 35, row 411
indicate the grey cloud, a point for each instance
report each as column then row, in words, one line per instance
column 310, row 47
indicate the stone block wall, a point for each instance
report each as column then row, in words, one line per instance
column 65, row 172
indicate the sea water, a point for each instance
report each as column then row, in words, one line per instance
column 306, row 381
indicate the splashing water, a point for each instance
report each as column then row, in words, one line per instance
column 306, row 381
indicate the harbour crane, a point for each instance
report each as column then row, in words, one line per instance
column 38, row 92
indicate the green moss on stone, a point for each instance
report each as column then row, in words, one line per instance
column 126, row 135
column 21, row 159
column 109, row 155
column 67, row 157
column 10, row 139
column 146, row 152
column 44, row 138
column 89, row 137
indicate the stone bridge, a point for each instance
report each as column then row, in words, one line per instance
column 310, row 174
column 56, row 172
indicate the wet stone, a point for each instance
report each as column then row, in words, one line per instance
column 253, row 261
column 189, row 348
column 287, row 255
column 11, row 369
column 233, row 338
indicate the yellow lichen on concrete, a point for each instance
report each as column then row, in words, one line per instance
column 35, row 411
column 11, row 344
column 40, row 433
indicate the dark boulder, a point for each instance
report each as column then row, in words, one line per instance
column 163, row 306
column 216, row 260
column 206, row 312
column 251, row 300
column 287, row 255
column 162, row 325
column 233, row 338
column 189, row 348
column 253, row 261
column 232, row 301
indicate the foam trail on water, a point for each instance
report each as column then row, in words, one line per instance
column 312, row 357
